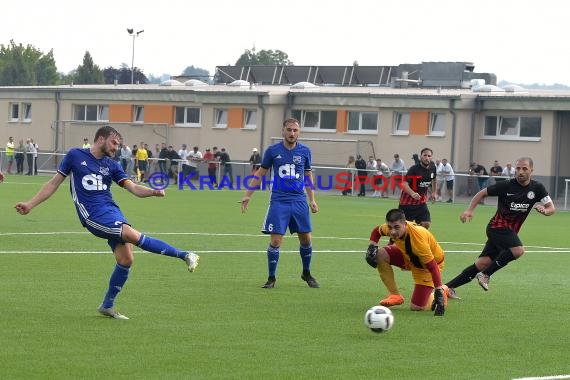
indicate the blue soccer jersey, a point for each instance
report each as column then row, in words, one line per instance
column 289, row 166
column 90, row 182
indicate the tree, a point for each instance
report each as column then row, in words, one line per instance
column 123, row 75
column 88, row 73
column 263, row 57
column 197, row 73
column 26, row 66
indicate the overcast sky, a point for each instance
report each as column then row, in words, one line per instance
column 522, row 41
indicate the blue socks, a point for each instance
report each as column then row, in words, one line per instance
column 272, row 260
column 158, row 246
column 306, row 254
column 118, row 279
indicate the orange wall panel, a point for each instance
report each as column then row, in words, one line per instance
column 120, row 113
column 341, row 121
column 419, row 123
column 160, row 114
column 235, row 118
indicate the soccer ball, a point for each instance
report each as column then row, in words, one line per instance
column 379, row 319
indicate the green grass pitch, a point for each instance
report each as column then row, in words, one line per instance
column 217, row 323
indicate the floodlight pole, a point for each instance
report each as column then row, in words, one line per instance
column 134, row 35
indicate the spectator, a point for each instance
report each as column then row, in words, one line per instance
column 449, row 178
column 126, row 158
column 362, row 175
column 20, row 153
column 86, row 144
column 183, row 153
column 398, row 167
column 173, row 158
column 36, row 149
column 508, row 171
column 481, row 173
column 211, row 161
column 495, row 170
column 225, row 161
column 384, row 181
column 351, row 167
column 440, row 179
column 255, row 160
column 30, row 150
column 194, row 158
column 162, row 157
column 10, row 146
column 141, row 161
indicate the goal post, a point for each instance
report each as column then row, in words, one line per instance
column 335, row 152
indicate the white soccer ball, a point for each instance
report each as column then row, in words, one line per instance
column 379, row 319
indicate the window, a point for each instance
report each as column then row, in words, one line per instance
column 27, row 112
column 316, row 120
column 188, row 116
column 14, row 112
column 437, row 124
column 250, row 119
column 401, row 123
column 513, row 127
column 91, row 112
column 221, row 115
column 138, row 114
column 363, row 121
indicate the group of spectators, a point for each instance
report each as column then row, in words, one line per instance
column 27, row 151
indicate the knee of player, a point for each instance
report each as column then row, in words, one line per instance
column 517, row 251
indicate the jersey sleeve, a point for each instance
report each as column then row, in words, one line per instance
column 67, row 163
column 498, row 188
column 267, row 161
column 308, row 160
column 118, row 174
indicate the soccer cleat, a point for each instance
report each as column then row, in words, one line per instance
column 270, row 284
column 111, row 312
column 392, row 300
column 311, row 281
column 451, row 293
column 192, row 261
column 483, row 280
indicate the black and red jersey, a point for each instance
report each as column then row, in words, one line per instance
column 419, row 178
column 515, row 202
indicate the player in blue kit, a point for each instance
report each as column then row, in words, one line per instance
column 288, row 208
column 91, row 172
column 516, row 199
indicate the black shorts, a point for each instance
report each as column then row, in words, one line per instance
column 416, row 213
column 499, row 239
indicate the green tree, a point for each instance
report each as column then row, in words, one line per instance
column 88, row 73
column 263, row 57
column 26, row 66
column 123, row 75
column 197, row 73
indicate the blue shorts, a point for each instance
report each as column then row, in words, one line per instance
column 107, row 226
column 281, row 215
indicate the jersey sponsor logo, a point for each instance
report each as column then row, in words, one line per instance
column 530, row 195
column 424, row 184
column 287, row 171
column 510, row 194
column 93, row 182
column 523, row 207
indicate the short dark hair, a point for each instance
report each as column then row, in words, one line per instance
column 395, row 215
column 424, row 149
column 106, row 131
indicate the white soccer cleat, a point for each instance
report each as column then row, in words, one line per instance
column 483, row 280
column 111, row 312
column 192, row 261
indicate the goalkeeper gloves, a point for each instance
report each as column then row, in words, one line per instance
column 371, row 255
column 438, row 304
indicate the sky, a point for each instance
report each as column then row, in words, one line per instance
column 522, row 41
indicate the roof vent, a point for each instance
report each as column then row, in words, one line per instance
column 239, row 83
column 305, row 86
column 171, row 82
column 487, row 88
column 195, row 83
column 514, row 88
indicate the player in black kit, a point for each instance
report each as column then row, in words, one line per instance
column 517, row 198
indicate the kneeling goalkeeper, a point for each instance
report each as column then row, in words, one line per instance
column 414, row 249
